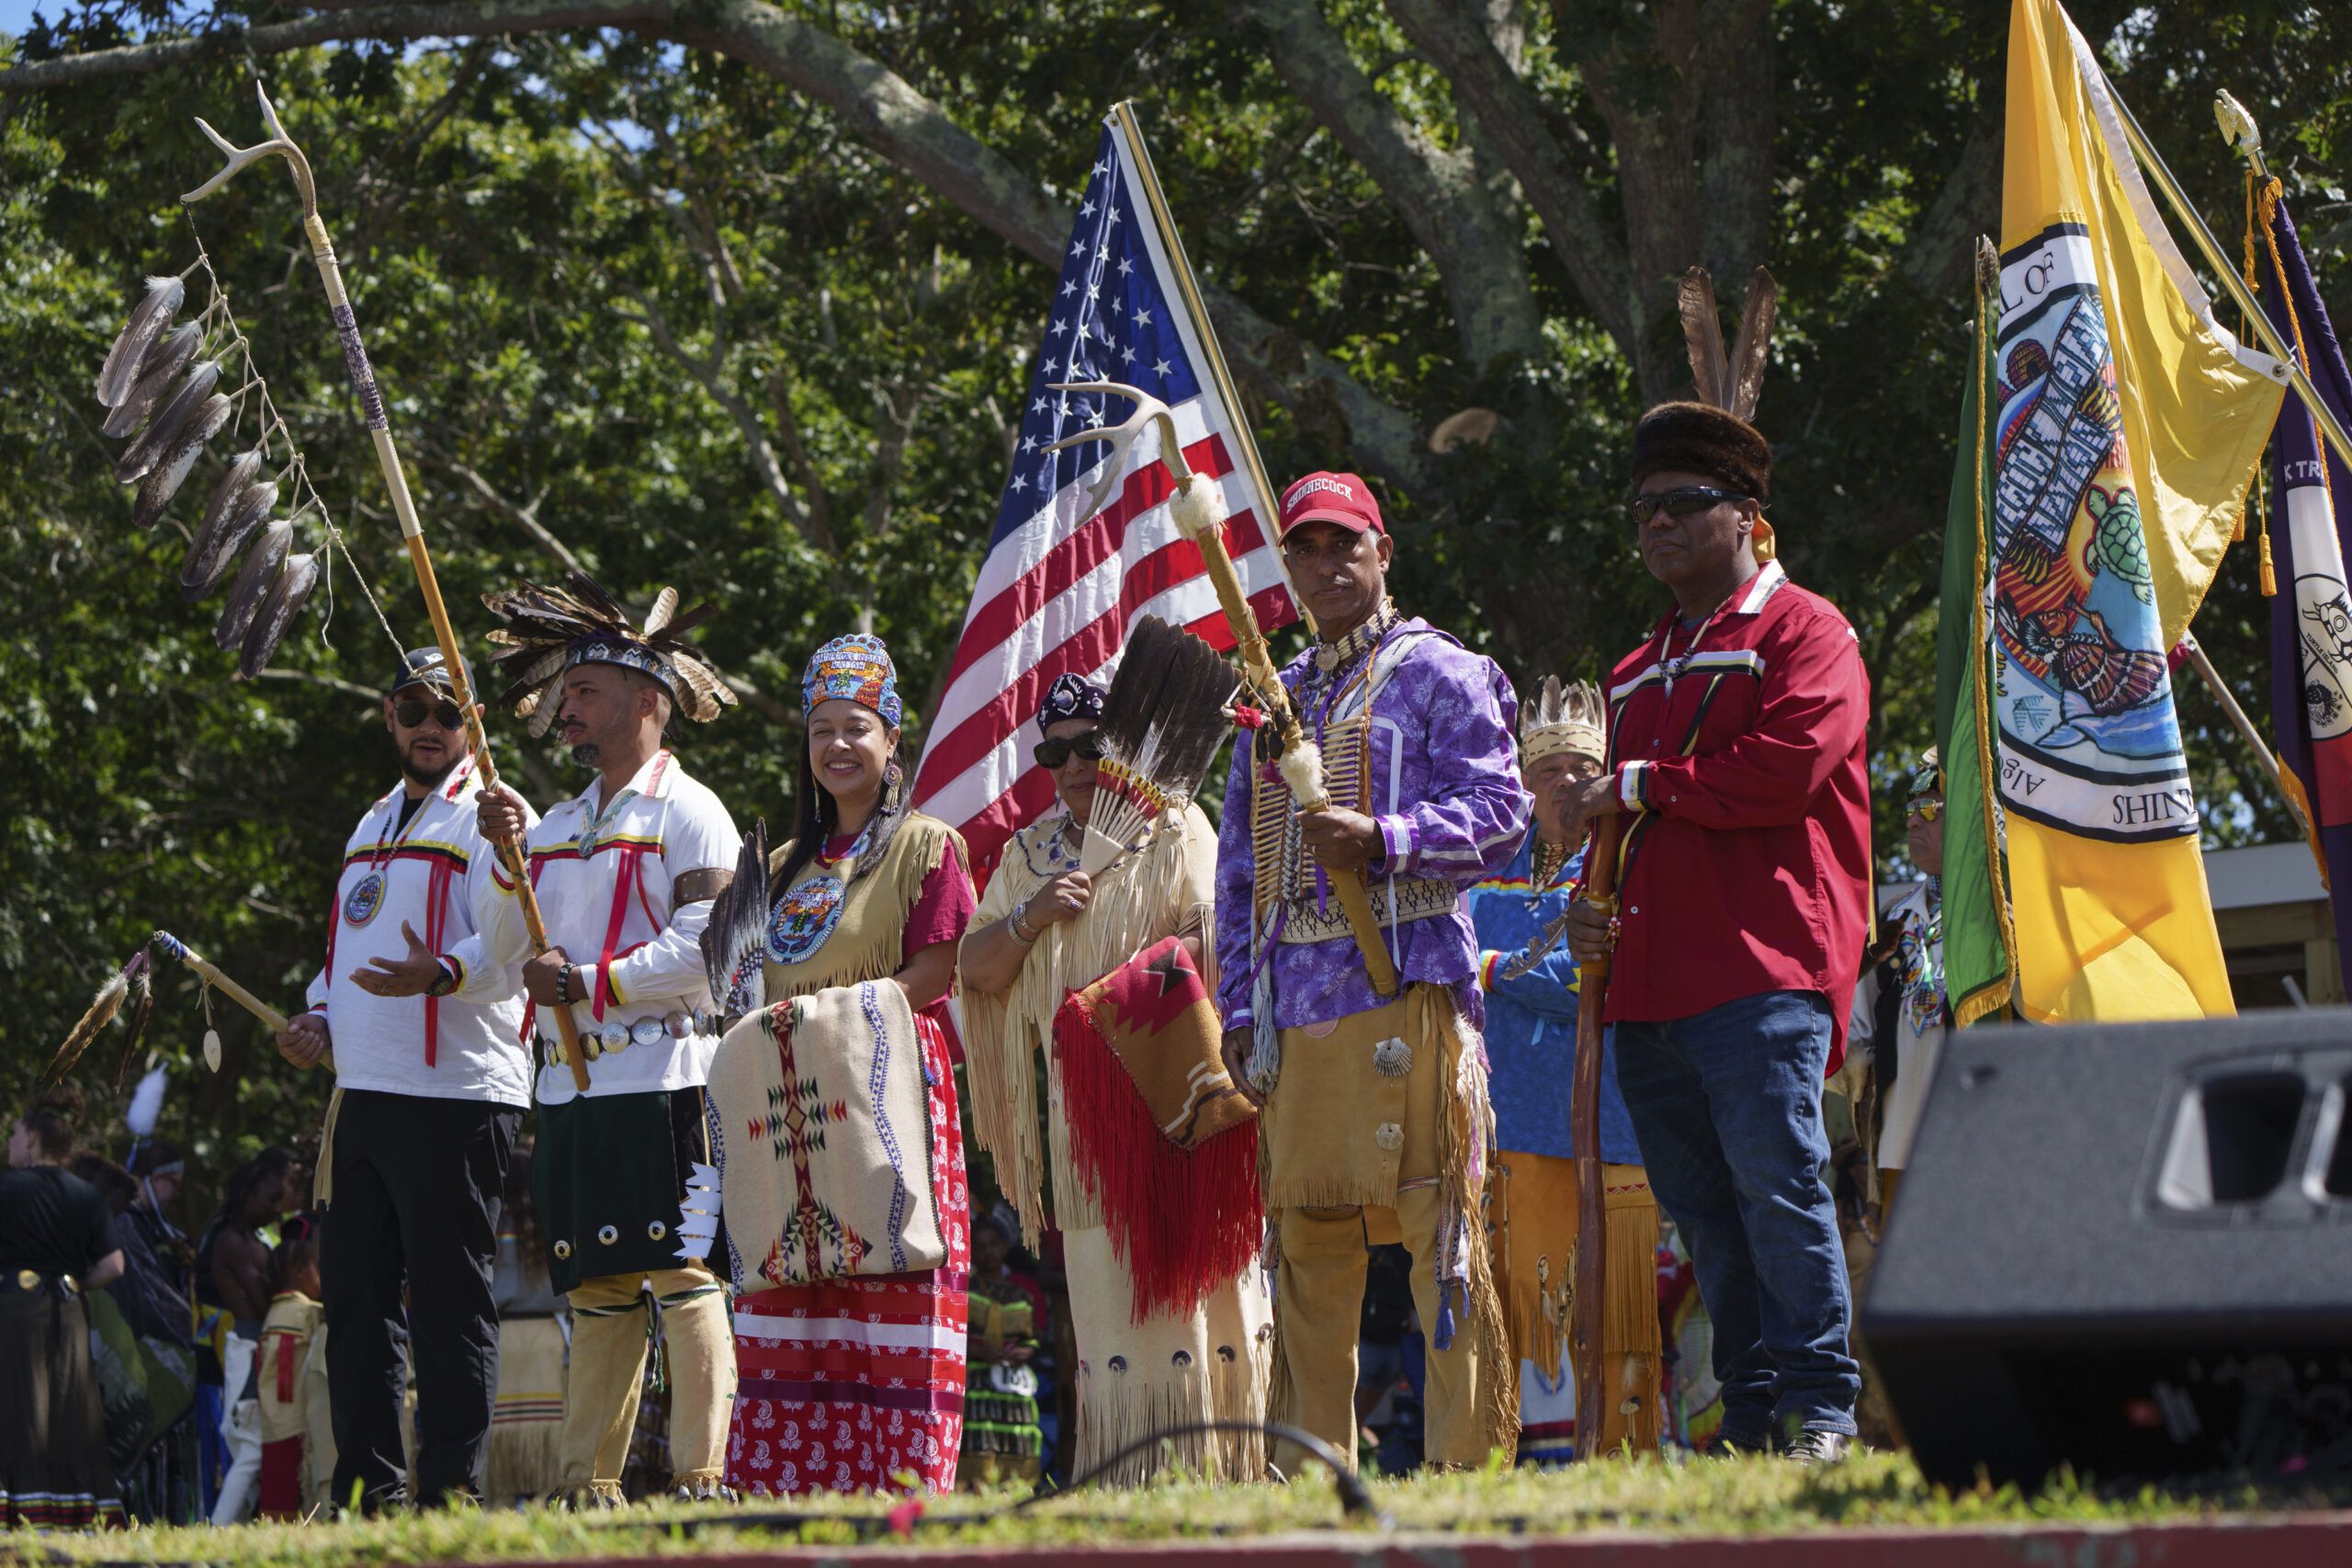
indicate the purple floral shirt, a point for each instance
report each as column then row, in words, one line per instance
column 1446, row 792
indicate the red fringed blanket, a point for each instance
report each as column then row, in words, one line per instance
column 1157, row 1134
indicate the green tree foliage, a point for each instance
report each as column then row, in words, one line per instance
column 741, row 297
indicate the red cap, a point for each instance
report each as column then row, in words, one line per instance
column 1331, row 498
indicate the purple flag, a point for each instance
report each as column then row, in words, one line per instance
column 2310, row 619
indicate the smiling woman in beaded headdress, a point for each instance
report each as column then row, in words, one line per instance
column 1173, row 1324
column 841, row 1148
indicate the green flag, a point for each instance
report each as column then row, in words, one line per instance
column 1979, row 962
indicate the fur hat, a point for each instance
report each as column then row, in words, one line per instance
column 1710, row 434
column 1700, row 438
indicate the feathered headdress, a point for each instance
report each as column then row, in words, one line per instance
column 1712, row 435
column 1563, row 718
column 549, row 631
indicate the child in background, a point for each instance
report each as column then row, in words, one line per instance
column 1002, row 1442
column 288, row 1462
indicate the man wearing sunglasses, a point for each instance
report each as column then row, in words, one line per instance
column 433, row 1080
column 1737, row 750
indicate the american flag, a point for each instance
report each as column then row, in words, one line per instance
column 1058, row 587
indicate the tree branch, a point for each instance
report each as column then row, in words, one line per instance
column 911, row 130
column 348, row 688
column 1937, row 258
column 1515, row 121
column 747, row 419
column 789, row 718
column 528, row 516
column 1438, row 193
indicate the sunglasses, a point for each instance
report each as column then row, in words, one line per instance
column 1052, row 754
column 1680, row 502
column 1926, row 810
column 410, row 715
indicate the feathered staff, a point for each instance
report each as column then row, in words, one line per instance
column 135, row 983
column 104, row 1006
column 371, row 403
column 1171, row 707
column 1198, row 509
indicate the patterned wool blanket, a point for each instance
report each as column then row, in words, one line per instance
column 1157, row 1134
column 821, row 1132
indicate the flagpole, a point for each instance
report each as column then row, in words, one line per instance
column 2244, row 726
column 1122, row 113
column 2153, row 163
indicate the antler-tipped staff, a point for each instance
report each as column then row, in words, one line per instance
column 371, row 403
column 1199, row 510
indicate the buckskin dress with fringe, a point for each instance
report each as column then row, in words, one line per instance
column 1178, row 1361
column 851, row 1384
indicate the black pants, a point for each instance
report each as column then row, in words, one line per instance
column 417, row 1184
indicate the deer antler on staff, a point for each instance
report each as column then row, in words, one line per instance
column 1738, row 775
column 371, row 404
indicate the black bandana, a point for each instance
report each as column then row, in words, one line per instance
column 1070, row 696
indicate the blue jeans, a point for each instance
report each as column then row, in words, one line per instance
column 1727, row 1106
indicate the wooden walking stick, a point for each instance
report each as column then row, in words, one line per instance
column 371, row 404
column 1584, row 1141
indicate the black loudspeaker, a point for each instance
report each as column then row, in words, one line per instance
column 2126, row 1248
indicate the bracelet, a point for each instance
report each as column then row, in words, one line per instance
column 1015, row 925
column 563, row 986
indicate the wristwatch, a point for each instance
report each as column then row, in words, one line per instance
column 443, row 982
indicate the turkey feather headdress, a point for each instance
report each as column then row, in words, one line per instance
column 549, row 630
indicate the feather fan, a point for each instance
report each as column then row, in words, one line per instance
column 734, row 941
column 1167, row 714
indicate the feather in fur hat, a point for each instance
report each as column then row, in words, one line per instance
column 1712, row 435
column 549, row 630
column 1563, row 718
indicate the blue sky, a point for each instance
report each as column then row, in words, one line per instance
column 16, row 15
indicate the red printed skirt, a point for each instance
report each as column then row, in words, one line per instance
column 849, row 1385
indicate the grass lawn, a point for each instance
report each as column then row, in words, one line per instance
column 1708, row 1496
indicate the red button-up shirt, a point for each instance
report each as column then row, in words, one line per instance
column 1739, row 746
